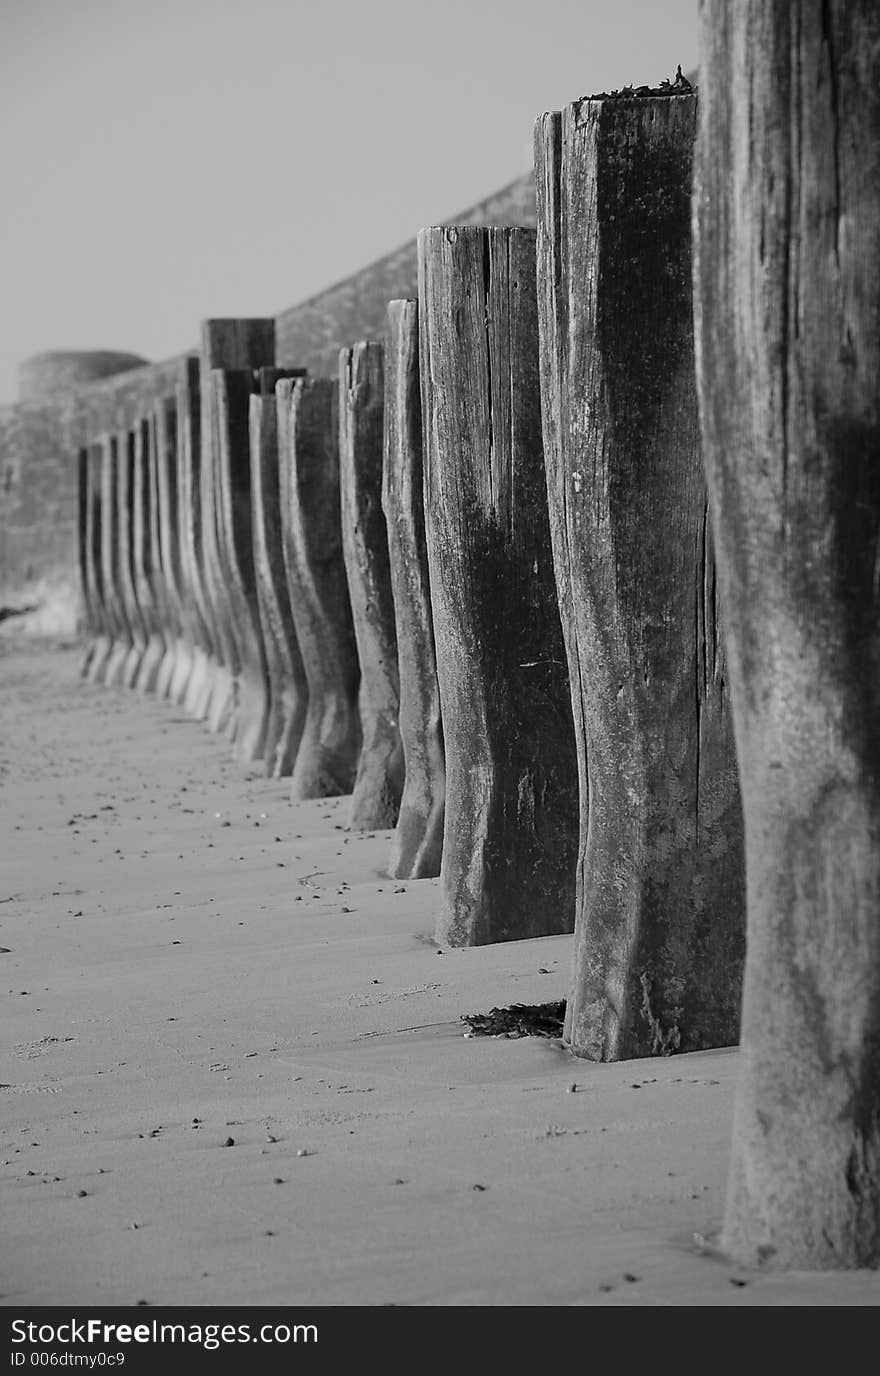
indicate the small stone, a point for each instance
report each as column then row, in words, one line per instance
column 81, row 1194
column 230, row 1142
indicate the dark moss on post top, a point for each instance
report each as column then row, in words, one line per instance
column 681, row 86
column 64, row 370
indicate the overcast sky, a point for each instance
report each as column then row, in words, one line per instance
column 166, row 160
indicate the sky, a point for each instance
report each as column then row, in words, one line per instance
column 167, row 160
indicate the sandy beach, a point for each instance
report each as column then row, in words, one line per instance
column 233, row 1069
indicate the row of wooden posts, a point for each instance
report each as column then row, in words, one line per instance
column 472, row 582
column 355, row 580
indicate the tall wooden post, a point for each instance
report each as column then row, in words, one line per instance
column 230, row 397
column 193, row 688
column 93, row 578
column 787, row 306
column 660, row 902
column 288, row 687
column 84, row 535
column 511, row 828
column 128, row 671
column 375, row 800
column 119, row 640
column 417, row 844
column 166, row 458
column 145, row 554
column 230, row 344
column 327, row 758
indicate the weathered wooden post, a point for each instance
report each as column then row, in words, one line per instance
column 327, row 758
column 99, row 649
column 232, row 390
column 84, row 519
column 225, row 344
column 145, row 555
column 131, row 660
column 511, row 829
column 660, row 902
column 166, row 460
column 288, row 688
column 417, row 844
column 118, row 640
column 787, row 308
column 230, row 396
column 375, row 800
column 192, row 689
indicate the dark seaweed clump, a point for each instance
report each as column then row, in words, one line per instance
column 679, row 87
column 521, row 1020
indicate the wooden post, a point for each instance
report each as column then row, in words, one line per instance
column 91, row 621
column 660, row 905
column 288, row 687
column 192, row 689
column 131, row 660
column 230, row 344
column 94, row 579
column 328, row 753
column 511, row 829
column 230, row 395
column 118, row 640
column 417, row 844
column 787, row 309
column 232, row 390
column 375, row 800
column 144, row 556
column 166, row 459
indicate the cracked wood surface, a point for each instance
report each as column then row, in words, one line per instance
column 660, row 905
column 510, row 839
column 417, row 844
column 787, row 304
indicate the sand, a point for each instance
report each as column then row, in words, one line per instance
column 233, row 1069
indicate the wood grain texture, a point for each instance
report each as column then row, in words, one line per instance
column 375, row 800
column 660, row 902
column 511, row 826
column 417, row 844
column 288, row 687
column 787, row 308
column 326, row 762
